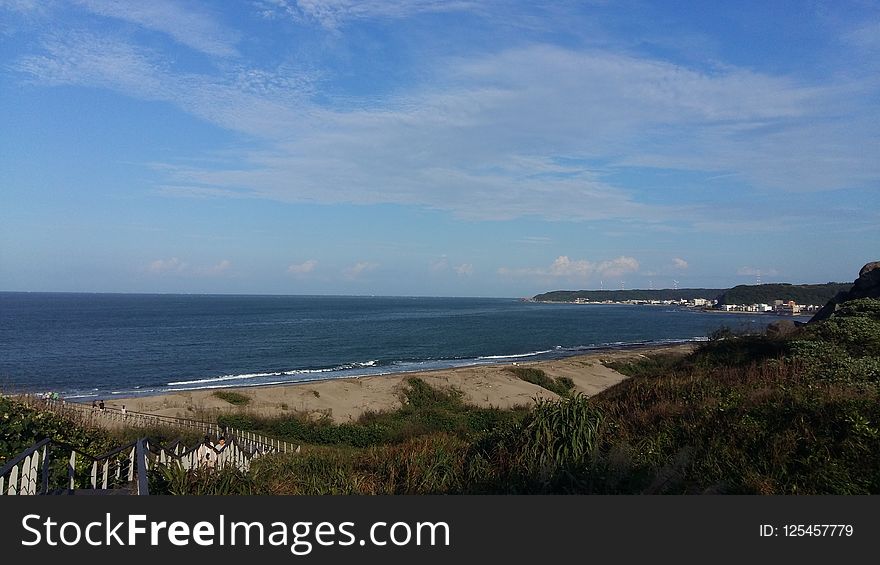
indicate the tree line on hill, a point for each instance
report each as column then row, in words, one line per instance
column 742, row 294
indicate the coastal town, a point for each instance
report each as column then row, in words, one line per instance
column 778, row 307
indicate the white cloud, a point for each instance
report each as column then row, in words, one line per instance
column 302, row 268
column 464, row 270
column 679, row 263
column 483, row 143
column 257, row 102
column 501, row 136
column 359, row 268
column 439, row 265
column 23, row 6
column 215, row 270
column 617, row 267
column 866, row 36
column 333, row 14
column 186, row 26
column 581, row 269
column 160, row 266
column 179, row 267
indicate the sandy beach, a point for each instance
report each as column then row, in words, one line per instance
column 346, row 399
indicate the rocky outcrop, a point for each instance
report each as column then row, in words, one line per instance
column 866, row 286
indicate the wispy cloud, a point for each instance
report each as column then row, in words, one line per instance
column 175, row 266
column 258, row 102
column 580, row 269
column 359, row 268
column 333, row 14
column 464, row 270
column 215, row 270
column 484, row 143
column 439, row 265
column 186, row 26
column 302, row 268
column 160, row 266
column 501, row 135
column 679, row 263
column 535, row 240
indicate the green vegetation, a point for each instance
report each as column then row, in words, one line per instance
column 635, row 294
column 743, row 294
column 235, row 398
column 173, row 479
column 747, row 414
column 743, row 414
column 560, row 385
column 425, row 411
column 21, row 427
column 817, row 294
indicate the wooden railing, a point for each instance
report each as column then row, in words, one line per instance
column 37, row 470
column 46, row 463
column 114, row 417
column 21, row 474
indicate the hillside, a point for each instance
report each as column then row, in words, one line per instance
column 621, row 295
column 817, row 294
column 743, row 294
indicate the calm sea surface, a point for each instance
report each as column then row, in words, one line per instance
column 89, row 345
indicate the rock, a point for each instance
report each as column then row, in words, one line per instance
column 866, row 286
column 782, row 328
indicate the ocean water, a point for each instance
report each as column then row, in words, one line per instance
column 86, row 346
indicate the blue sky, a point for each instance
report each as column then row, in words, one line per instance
column 444, row 148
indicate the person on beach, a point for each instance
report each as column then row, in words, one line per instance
column 123, row 409
column 101, row 405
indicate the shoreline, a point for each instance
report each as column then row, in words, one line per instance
column 345, row 399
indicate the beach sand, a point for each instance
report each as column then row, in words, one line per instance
column 346, row 399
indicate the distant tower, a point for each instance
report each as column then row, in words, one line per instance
column 674, row 284
column 621, row 285
column 758, row 277
column 651, row 285
column 602, row 285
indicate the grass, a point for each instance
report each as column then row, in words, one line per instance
column 563, row 386
column 234, row 398
column 749, row 414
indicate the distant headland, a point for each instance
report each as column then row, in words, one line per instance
column 777, row 297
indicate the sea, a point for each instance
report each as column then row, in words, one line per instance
column 89, row 346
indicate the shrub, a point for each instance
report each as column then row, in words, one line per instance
column 231, row 397
column 560, row 385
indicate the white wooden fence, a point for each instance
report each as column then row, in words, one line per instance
column 112, row 417
column 34, row 471
column 126, row 467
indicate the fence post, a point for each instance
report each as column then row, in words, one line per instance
column 71, row 468
column 143, row 488
column 32, row 475
column 13, row 482
column 45, row 487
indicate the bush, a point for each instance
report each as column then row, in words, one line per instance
column 560, row 385
column 235, row 398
